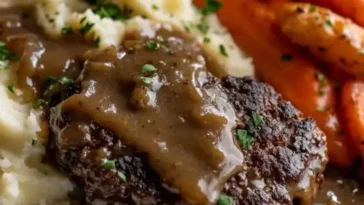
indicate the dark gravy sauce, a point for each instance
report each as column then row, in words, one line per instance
column 150, row 109
column 184, row 125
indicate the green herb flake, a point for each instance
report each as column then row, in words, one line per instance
column 83, row 19
column 86, row 28
column 225, row 200
column 211, row 7
column 109, row 164
column 38, row 103
column 152, row 45
column 67, row 30
column 155, row 7
column 329, row 23
column 312, row 8
column 51, row 80
column 361, row 52
column 203, row 27
column 187, row 29
column 65, row 80
column 11, row 88
column 206, row 40
column 321, row 80
column 6, row 55
column 147, row 80
column 257, row 119
column 34, row 142
column 122, row 176
column 147, row 68
column 4, row 65
column 286, row 57
column 320, row 109
column 223, row 50
column 110, row 10
column 97, row 42
column 244, row 138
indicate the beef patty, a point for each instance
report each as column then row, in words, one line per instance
column 146, row 123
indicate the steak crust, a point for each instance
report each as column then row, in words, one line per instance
column 283, row 165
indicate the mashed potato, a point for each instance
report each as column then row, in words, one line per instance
column 24, row 179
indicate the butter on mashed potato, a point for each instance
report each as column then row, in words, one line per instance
column 24, row 179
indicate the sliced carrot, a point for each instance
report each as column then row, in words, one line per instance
column 353, row 9
column 352, row 100
column 280, row 64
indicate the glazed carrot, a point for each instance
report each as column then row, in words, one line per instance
column 281, row 65
column 352, row 100
column 330, row 37
column 353, row 9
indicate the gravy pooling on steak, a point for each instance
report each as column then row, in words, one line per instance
column 170, row 111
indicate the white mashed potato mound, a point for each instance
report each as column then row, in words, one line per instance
column 24, row 179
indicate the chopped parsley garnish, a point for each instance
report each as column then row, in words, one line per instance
column 147, row 68
column 223, row 50
column 51, row 80
column 122, row 176
column 109, row 164
column 320, row 109
column 67, row 30
column 83, row 19
column 257, row 119
column 65, row 80
column 155, row 7
column 244, row 138
column 211, row 7
column 6, row 55
column 152, row 45
column 112, row 11
column 312, row 8
column 38, row 103
column 206, row 40
column 187, row 29
column 286, row 57
column 11, row 88
column 329, row 23
column 361, row 52
column 321, row 81
column 86, row 28
column 203, row 27
column 147, row 80
column 225, row 200
column 97, row 42
column 34, row 142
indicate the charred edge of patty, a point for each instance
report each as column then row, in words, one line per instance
column 287, row 149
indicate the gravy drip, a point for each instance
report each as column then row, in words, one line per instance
column 40, row 57
column 183, row 123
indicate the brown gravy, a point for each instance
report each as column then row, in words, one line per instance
column 340, row 188
column 184, row 125
column 200, row 163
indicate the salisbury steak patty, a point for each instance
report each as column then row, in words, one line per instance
column 146, row 123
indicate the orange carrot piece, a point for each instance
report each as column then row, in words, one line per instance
column 280, row 64
column 353, row 9
column 352, row 100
